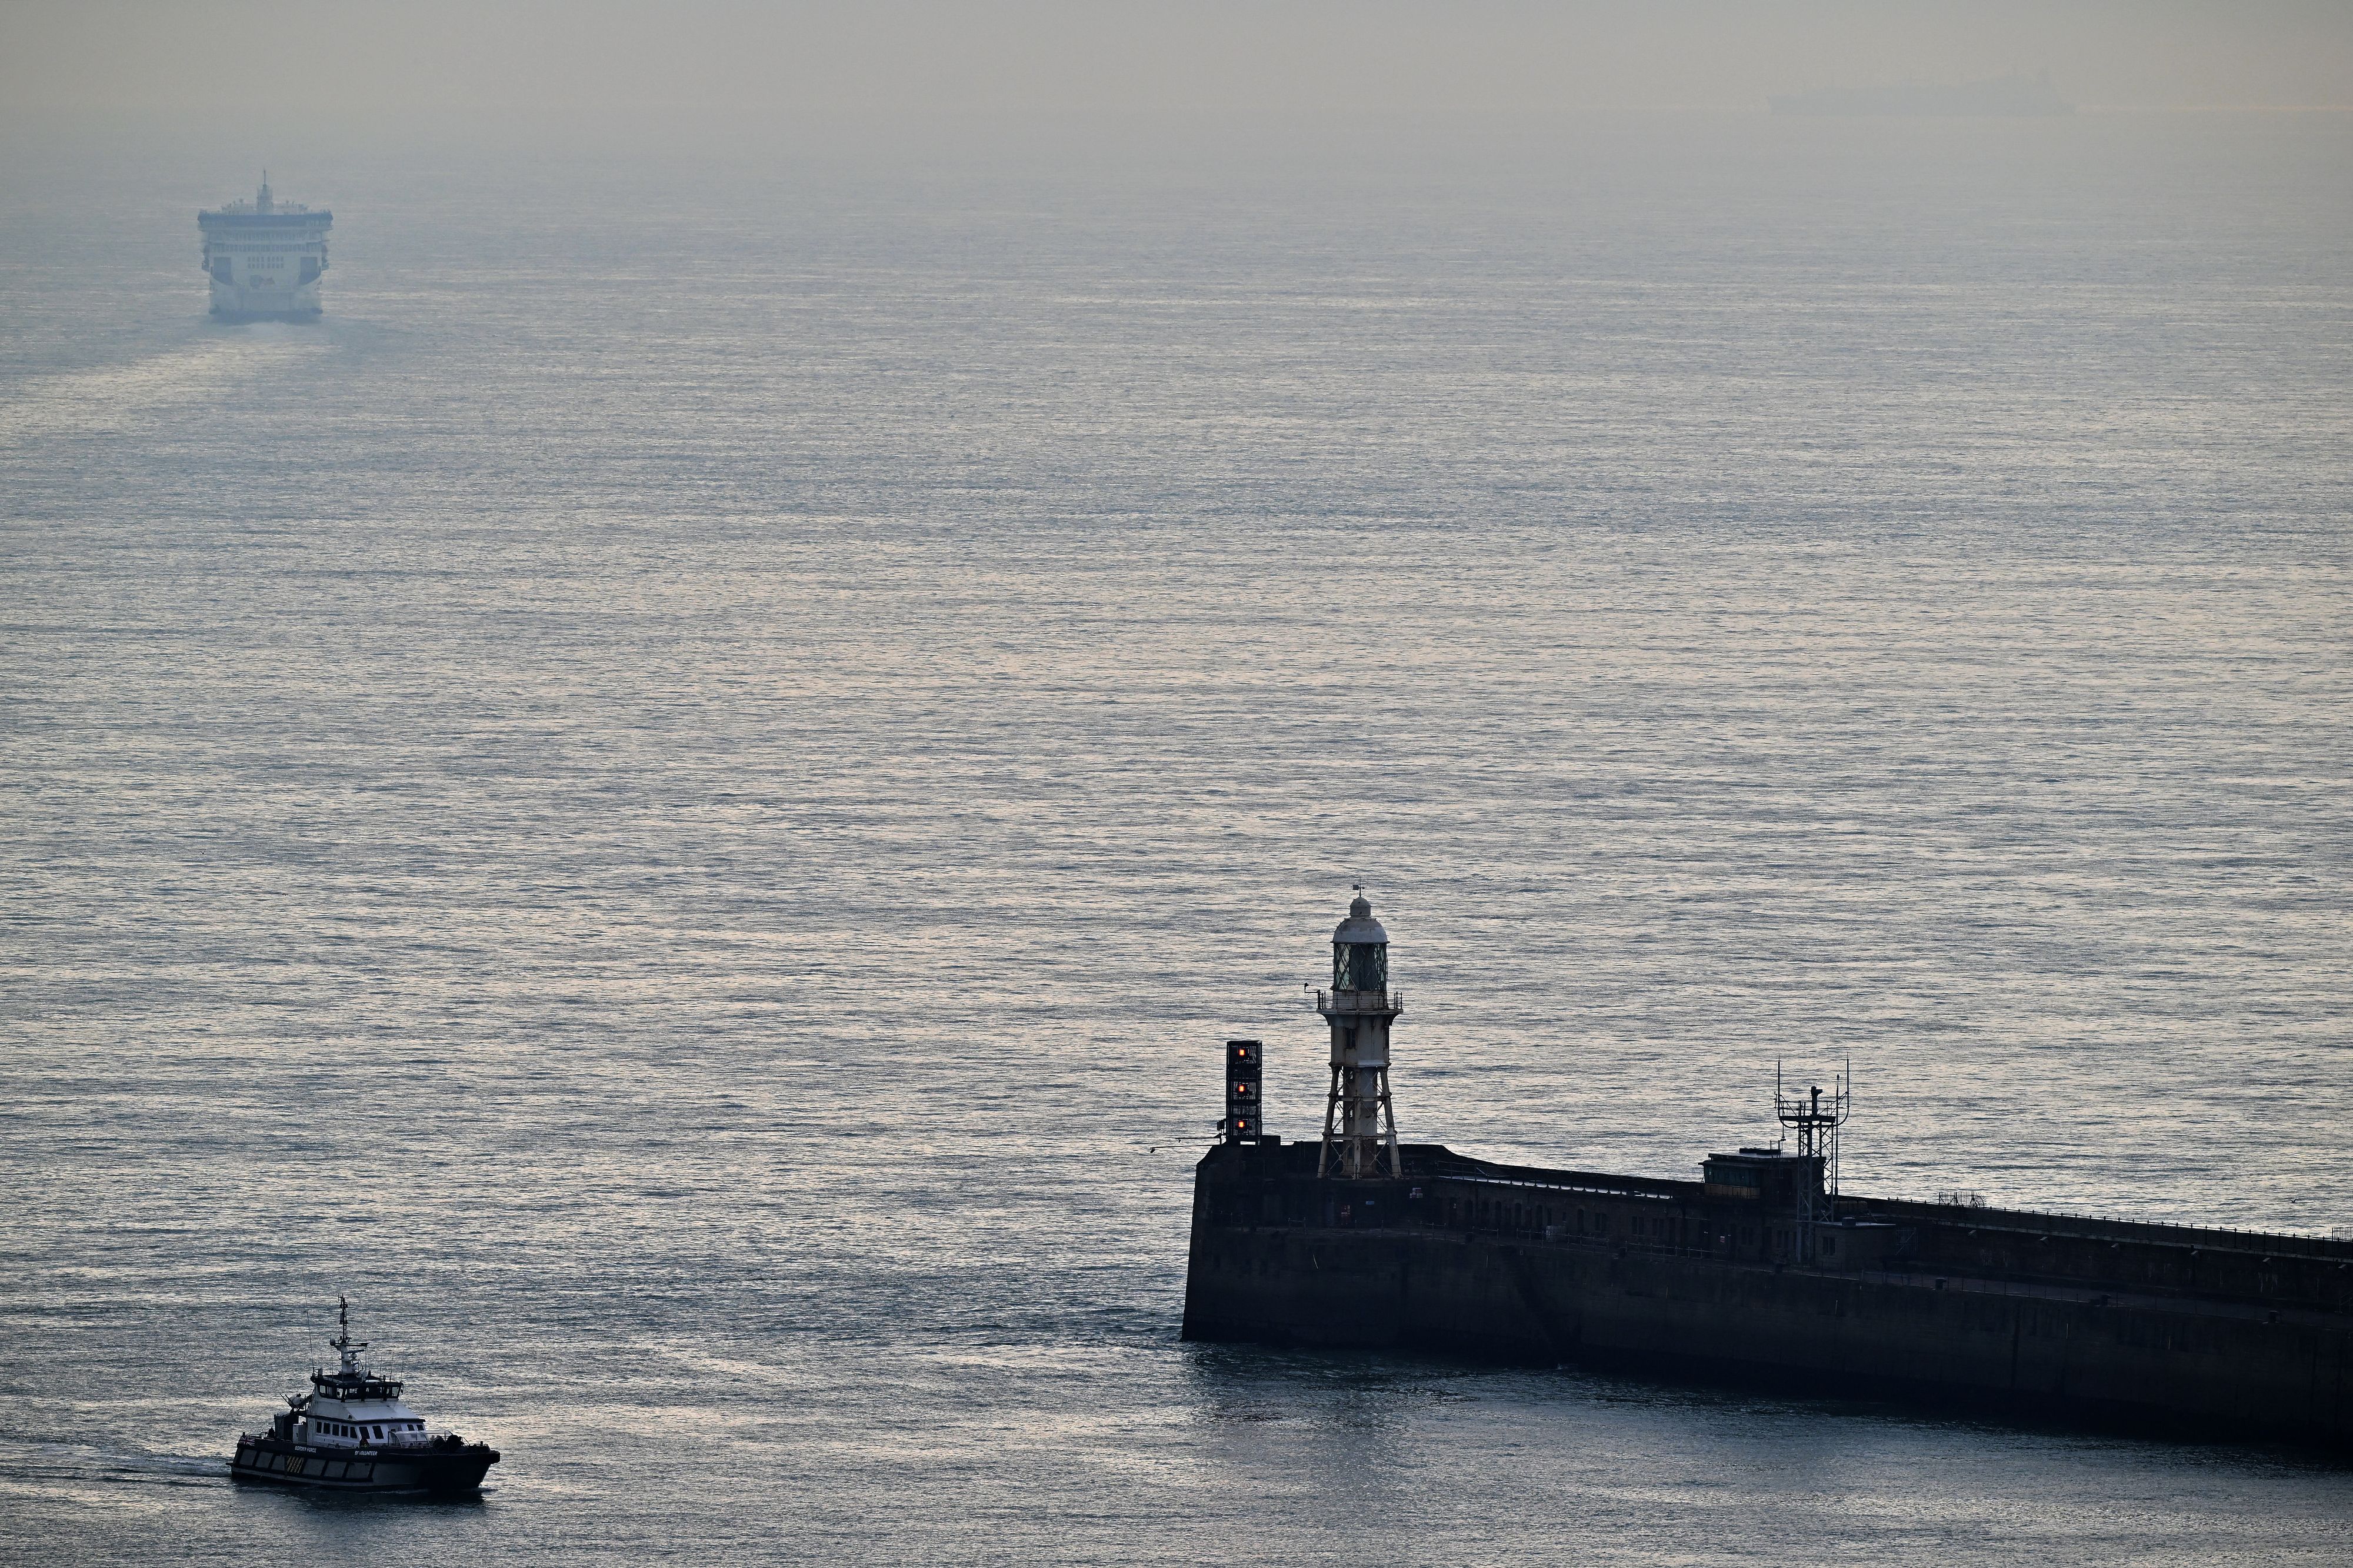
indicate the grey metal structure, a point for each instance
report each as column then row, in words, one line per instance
column 1360, row 1138
column 1817, row 1122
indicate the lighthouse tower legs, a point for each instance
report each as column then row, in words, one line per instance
column 1359, row 1124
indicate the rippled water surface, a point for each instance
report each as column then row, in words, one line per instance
column 677, row 797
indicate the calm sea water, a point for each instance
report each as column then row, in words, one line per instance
column 678, row 797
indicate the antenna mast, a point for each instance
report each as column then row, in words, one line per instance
column 1817, row 1119
column 345, row 1346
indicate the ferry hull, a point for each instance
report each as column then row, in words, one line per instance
column 439, row 1471
column 233, row 302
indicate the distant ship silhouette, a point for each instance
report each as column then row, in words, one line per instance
column 2006, row 97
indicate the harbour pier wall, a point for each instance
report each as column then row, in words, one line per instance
column 2209, row 1333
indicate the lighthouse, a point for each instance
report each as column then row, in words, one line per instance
column 1359, row 1128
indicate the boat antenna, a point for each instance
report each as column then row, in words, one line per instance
column 348, row 1347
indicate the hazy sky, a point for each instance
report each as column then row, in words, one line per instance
column 439, row 64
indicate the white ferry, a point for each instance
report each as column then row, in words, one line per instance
column 352, row 1433
column 265, row 258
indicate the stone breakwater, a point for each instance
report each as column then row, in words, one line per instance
column 2204, row 1332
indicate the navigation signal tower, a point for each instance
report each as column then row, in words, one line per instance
column 1245, row 1081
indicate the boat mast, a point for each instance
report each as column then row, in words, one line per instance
column 347, row 1346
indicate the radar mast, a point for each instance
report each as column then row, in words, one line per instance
column 1816, row 1118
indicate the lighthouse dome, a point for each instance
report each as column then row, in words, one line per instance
column 1359, row 929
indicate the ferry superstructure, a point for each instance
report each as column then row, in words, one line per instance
column 352, row 1433
column 265, row 258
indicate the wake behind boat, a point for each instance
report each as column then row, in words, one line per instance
column 352, row 1433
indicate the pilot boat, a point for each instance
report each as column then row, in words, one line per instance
column 352, row 1433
